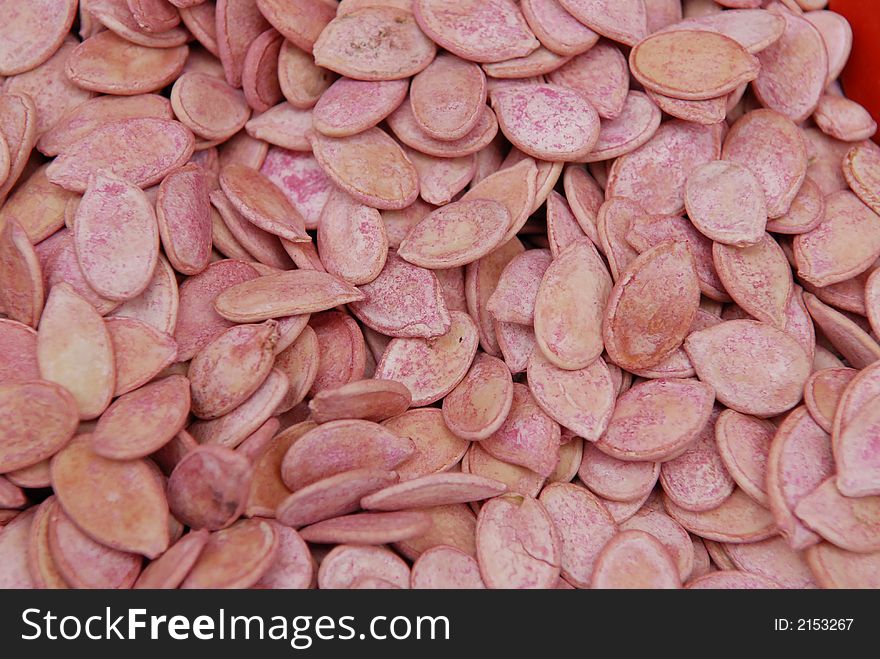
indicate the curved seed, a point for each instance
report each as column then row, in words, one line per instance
column 754, row 368
column 121, row 504
column 142, row 421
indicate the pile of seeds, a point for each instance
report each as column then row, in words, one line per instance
column 436, row 294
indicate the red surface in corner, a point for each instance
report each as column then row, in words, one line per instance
column 861, row 77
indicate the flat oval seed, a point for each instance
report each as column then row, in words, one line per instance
column 584, row 527
column 300, row 21
column 488, row 31
column 142, row 421
column 139, row 150
column 517, row 544
column 21, row 296
column 347, row 564
column 635, row 559
column 209, row 487
column 823, row 392
column 404, row 300
column 236, row 557
column 340, row 446
column 646, row 320
column 259, row 78
column 478, row 406
column 332, row 496
column 624, row 21
column 302, row 81
column 737, row 519
column 351, row 239
column 351, row 106
column 183, row 213
column 368, row 528
column 37, row 418
column 109, row 64
column 744, row 444
column 294, row 567
column 800, row 459
column 573, row 294
column 851, row 523
column 617, row 480
column 580, row 400
column 284, row 294
column 74, row 350
column 601, row 75
column 431, row 369
column 514, row 297
column 121, row 504
column 807, row 211
column 448, row 97
column 37, row 206
column 549, row 122
column 236, row 25
column 557, row 30
column 753, row 29
column 793, row 69
column 636, row 124
column 446, row 568
column 726, row 203
column 854, row 343
column 208, row 106
column 528, row 437
column 433, row 490
column 456, row 234
column 370, row 166
column 437, row 449
column 116, row 237
column 261, row 202
column 706, row 112
column 667, row 63
column 33, row 33
column 157, row 305
column 680, row 545
column 844, row 245
column 755, row 368
column 844, row 119
column 697, row 479
column 84, row 563
column 861, row 169
column 757, row 277
column 231, row 368
column 170, row 569
column 657, row 419
column 373, row 400
column 282, row 125
column 397, row 47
